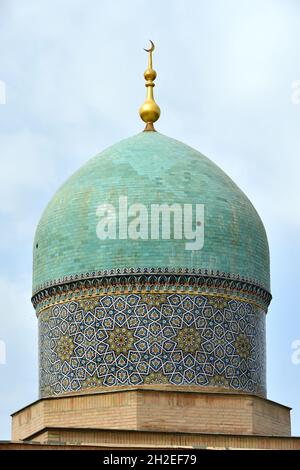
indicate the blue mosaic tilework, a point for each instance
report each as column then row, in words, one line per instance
column 133, row 339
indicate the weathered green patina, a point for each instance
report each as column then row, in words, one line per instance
column 149, row 168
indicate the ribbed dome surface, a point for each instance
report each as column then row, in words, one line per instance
column 149, row 168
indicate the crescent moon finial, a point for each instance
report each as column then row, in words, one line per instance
column 150, row 111
column 151, row 48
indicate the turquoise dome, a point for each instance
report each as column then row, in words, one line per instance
column 149, row 168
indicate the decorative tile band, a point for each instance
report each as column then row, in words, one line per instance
column 146, row 338
column 167, row 282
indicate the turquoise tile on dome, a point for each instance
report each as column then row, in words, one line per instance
column 149, row 168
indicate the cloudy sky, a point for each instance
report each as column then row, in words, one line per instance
column 73, row 73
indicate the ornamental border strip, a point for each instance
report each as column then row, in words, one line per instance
column 41, row 307
column 127, row 271
column 126, row 283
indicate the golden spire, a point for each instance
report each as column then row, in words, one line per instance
column 150, row 111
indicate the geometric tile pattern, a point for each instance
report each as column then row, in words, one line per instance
column 147, row 338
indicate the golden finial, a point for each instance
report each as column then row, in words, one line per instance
column 150, row 111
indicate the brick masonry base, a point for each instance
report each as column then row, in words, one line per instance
column 156, row 416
